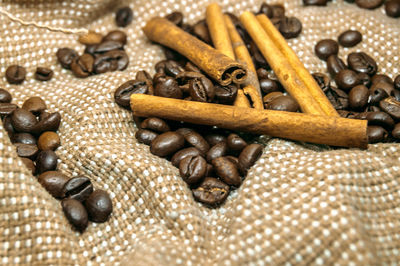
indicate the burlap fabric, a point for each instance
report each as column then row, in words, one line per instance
column 300, row 204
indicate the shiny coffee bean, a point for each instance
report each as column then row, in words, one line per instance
column 210, row 170
column 372, row 108
column 388, row 87
column 262, row 73
column 167, row 87
column 180, row 155
column 396, row 94
column 196, row 140
column 145, row 136
column 43, row 73
column 104, row 63
column 190, row 67
column 211, row 191
column 78, row 188
column 123, row 93
column 278, row 11
column 358, row 97
column 227, row 171
column 155, row 124
column 200, row 30
column 76, row 213
column 167, row 144
column 49, row 123
column 99, row 206
column 364, row 79
column 233, row 159
column 218, row 150
column 325, row 48
column 201, row 89
column 24, row 138
column 23, row 120
column 29, row 164
column 266, row 10
column 381, row 78
column 15, row 74
column 380, row 119
column 27, row 150
column 369, row 4
column 290, row 27
column 249, row 156
column 283, row 103
column 362, row 63
column 90, row 49
column 54, row 182
column 350, row 38
column 46, row 161
column 335, row 65
column 346, row 79
column 35, row 105
column 108, row 46
column 396, row 131
column 392, row 8
column 324, row 82
column 175, row 17
column 267, row 99
column 172, row 68
column 192, row 169
column 376, row 95
column 65, row 56
column 82, row 66
column 124, row 16
column 120, row 57
column 215, row 138
column 376, row 134
column 117, row 36
column 235, row 143
column 315, row 2
column 268, row 85
column 391, row 106
column 7, row 108
column 48, row 140
column 226, row 94
column 338, row 98
column 5, row 96
column 7, row 124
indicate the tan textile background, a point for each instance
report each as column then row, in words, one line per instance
column 300, row 204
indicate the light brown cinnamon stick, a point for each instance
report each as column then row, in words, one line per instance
column 217, row 65
column 241, row 100
column 335, row 131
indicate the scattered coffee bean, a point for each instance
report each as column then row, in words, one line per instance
column 155, row 124
column 249, row 156
column 346, row 79
column 124, row 16
column 335, row 65
column 35, row 104
column 214, row 138
column 182, row 154
column 369, row 4
column 218, row 150
column 49, row 123
column 43, row 74
column 48, row 140
column 46, row 161
column 65, row 56
column 167, row 87
column 376, row 134
column 145, row 136
column 283, row 103
column 380, row 119
column 5, row 96
column 82, row 66
column 78, row 188
column 268, row 85
column 27, row 150
column 7, row 109
column 116, row 36
column 75, row 213
column 202, row 89
column 226, row 94
column 362, row 63
column 235, row 143
column 267, row 99
column 227, row 171
column 123, row 93
column 167, row 144
column 211, row 191
column 175, row 17
column 54, row 182
column 391, row 106
column 29, row 164
column 278, row 11
column 315, row 2
column 377, row 78
column 392, row 8
column 290, row 27
column 24, row 138
column 99, row 206
column 15, row 74
column 324, row 82
column 377, row 94
column 396, row 131
column 350, row 38
column 325, row 48
column 192, row 168
column 358, row 97
column 266, row 10
column 23, row 120
column 364, row 79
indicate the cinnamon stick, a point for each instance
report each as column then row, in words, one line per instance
column 217, row 65
column 241, row 100
column 335, row 131
column 287, row 52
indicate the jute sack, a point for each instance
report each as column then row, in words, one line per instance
column 300, row 203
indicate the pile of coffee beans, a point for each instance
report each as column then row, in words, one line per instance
column 16, row 74
column 32, row 129
column 360, row 91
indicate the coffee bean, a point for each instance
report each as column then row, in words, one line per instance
column 266, row 10
column 7, row 124
column 268, row 85
column 380, row 119
column 315, row 2
column 117, row 36
column 226, row 94
column 99, row 206
column 43, row 73
column 145, row 136
column 389, row 88
column 175, row 17
column 249, row 156
column 54, row 182
column 192, row 168
column 324, row 82
column 201, row 89
column 369, row 4
column 391, row 106
column 396, row 131
column 118, row 57
column 24, row 138
column 214, row 138
column 211, row 192
column 258, row 58
column 65, row 56
column 338, row 98
column 124, row 16
column 49, row 123
column 190, row 67
column 180, row 155
column 48, row 140
column 78, row 188
column 335, row 65
column 376, row 134
column 167, row 144
column 46, row 161
column 123, row 93
column 216, row 151
column 397, row 82
column 325, row 48
column 7, row 108
column 82, row 66
column 392, row 8
column 155, row 124
column 108, row 46
column 381, row 78
column 346, row 79
column 23, row 120
column 76, row 213
column 362, row 63
column 15, row 74
column 35, row 105
column 172, row 68
column 29, row 164
column 376, row 95
column 235, row 143
column 227, row 171
column 262, row 73
column 350, row 38
column 90, row 49
column 278, row 11
column 290, row 27
column 364, row 79
column 267, row 99
column 283, row 103
column 167, row 87
column 358, row 97
column 5, row 96
column 195, row 140
column 200, row 30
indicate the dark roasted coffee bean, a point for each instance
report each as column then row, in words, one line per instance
column 315, row 2
column 117, row 36
column 155, row 124
column 396, row 94
column 226, row 94
column 278, row 11
column 381, row 78
column 338, row 98
column 364, row 79
column 325, row 48
column 120, row 57
column 380, row 119
column 145, row 136
column 90, row 49
column 108, row 46
column 268, row 85
column 249, row 156
column 192, row 169
column 350, row 38
column 392, row 8
column 99, row 206
column 123, row 93
column 190, row 67
column 376, row 95
column 214, row 138
column 43, row 73
column 227, row 171
column 46, row 161
column 23, row 120
column 27, row 150
column 76, row 213
column 172, row 68
column 179, row 155
column 257, row 57
column 389, row 88
column 324, row 82
column 210, row 170
column 35, row 105
column 218, row 150
column 167, row 144
column 104, row 63
column 369, row 4
column 233, row 159
column 24, row 138
column 262, row 73
column 78, row 188
column 185, row 77
column 283, row 103
column 123, row 16
column 235, row 142
column 7, row 108
column 211, row 191
column 376, row 134
column 167, row 87
column 7, row 124
column 15, row 74
column 48, row 140
column 372, row 108
column 266, row 10
column 54, row 182
column 175, row 17
column 391, row 106
column 65, row 56
column 50, row 123
column 335, row 65
column 362, row 63
column 346, row 79
column 200, row 30
column 5, row 96
column 196, row 140
column 29, row 164
column 290, row 27
column 201, row 89
column 143, row 75
column 82, row 66
column 396, row 131
column 358, row 97
column 267, row 99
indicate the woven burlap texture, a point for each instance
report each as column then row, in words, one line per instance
column 300, row 204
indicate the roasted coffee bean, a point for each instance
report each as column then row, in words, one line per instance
column 90, row 49
column 167, row 144
column 200, row 30
column 43, row 73
column 190, row 67
column 233, row 159
column 123, row 93
column 104, row 63
column 15, row 74
column 123, row 16
column 120, row 57
column 235, row 142
column 257, row 57
column 226, row 94
column 266, row 10
column 391, row 106
column 78, row 188
column 376, row 95
column 108, row 46
column 23, row 120
column 7, row 108
column 46, row 161
column 142, row 75
column 346, row 79
column 172, row 68
column 65, row 56
column 381, row 78
column 48, row 140
column 175, row 17
column 335, row 65
column 267, row 99
column 27, row 150
column 216, row 151
column 387, row 87
column 249, row 156
column 369, row 4
column 76, row 213
column 180, row 155
column 315, row 2
column 145, row 136
column 210, row 170
column 211, row 191
column 90, row 38
column 364, row 79
column 215, row 138
column 7, row 124
column 325, row 48
column 362, row 63
column 54, row 182
column 290, row 27
column 167, row 87
column 283, row 103
column 29, row 164
column 155, row 124
column 396, row 131
column 50, row 123
column 268, row 85
column 5, row 96
column 227, row 171
column 350, row 38
column 192, row 169
column 372, row 108
column 392, row 8
column 196, row 140
column 82, row 66
column 324, row 82
column 35, row 105
column 380, row 119
column 117, row 36
column 185, row 77
column 396, row 94
column 99, row 206
column 376, row 134
column 358, row 97
column 338, row 98
column 262, row 73
column 278, row 11
column 24, row 138
column 201, row 89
